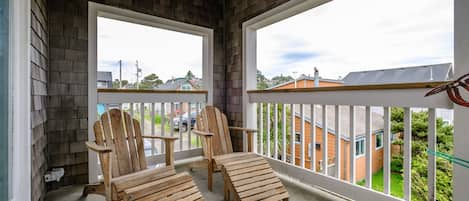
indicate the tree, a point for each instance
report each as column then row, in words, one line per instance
column 190, row 75
column 116, row 83
column 150, row 82
column 262, row 81
column 279, row 79
column 419, row 154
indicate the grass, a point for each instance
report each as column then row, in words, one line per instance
column 397, row 183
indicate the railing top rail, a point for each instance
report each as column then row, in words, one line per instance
column 419, row 85
column 152, row 91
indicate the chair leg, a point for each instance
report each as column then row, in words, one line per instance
column 210, row 176
column 93, row 189
column 226, row 189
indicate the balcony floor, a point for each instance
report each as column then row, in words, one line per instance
column 73, row 193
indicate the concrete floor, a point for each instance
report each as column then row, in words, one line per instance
column 73, row 193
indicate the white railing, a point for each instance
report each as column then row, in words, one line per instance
column 166, row 113
column 365, row 100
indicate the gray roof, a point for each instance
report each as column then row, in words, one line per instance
column 174, row 84
column 377, row 121
column 305, row 77
column 104, row 76
column 428, row 73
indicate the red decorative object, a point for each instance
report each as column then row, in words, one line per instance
column 453, row 91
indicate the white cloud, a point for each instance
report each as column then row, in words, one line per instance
column 166, row 53
column 356, row 35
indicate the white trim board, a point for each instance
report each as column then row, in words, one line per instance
column 20, row 92
column 99, row 10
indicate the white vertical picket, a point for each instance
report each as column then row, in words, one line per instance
column 352, row 144
column 302, row 136
column 338, row 138
column 292, row 135
column 431, row 177
column 152, row 123
column 276, row 131
column 268, row 131
column 171, row 120
column 284, row 133
column 181, row 138
column 387, row 151
column 368, row 147
column 313, row 138
column 163, row 118
column 189, row 126
column 407, row 153
column 325, row 158
column 261, row 128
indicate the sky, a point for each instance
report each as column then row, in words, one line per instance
column 166, row 53
column 344, row 36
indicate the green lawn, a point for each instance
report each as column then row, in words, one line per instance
column 397, row 184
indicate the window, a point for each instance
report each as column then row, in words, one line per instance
column 379, row 140
column 360, row 147
column 298, row 138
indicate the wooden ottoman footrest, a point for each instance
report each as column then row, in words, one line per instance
column 252, row 179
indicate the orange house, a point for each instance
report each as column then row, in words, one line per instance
column 377, row 130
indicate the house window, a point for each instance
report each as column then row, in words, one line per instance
column 360, row 147
column 379, row 140
column 298, row 138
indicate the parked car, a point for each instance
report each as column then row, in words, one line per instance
column 184, row 123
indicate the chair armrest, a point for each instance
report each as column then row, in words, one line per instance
column 248, row 130
column 97, row 148
column 160, row 137
column 202, row 133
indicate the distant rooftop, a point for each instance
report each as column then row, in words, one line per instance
column 104, row 76
column 427, row 73
column 306, row 77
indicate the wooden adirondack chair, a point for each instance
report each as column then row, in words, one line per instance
column 119, row 143
column 212, row 126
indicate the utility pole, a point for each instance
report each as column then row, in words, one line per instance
column 120, row 74
column 139, row 71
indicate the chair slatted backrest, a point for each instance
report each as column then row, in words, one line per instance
column 212, row 120
column 119, row 131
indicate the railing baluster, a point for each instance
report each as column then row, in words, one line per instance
column 181, row 112
column 337, row 141
column 261, row 128
column 284, row 133
column 132, row 110
column 152, row 120
column 142, row 117
column 197, row 109
column 171, row 120
column 268, row 130
column 352, row 144
column 407, row 153
column 368, row 148
column 387, row 150
column 313, row 138
column 162, row 122
column 431, row 158
column 189, row 126
column 276, row 131
column 324, row 146
column 302, row 136
column 292, row 135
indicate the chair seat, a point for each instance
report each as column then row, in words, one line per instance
column 226, row 158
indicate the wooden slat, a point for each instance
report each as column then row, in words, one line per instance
column 313, row 137
column 260, row 189
column 251, row 174
column 222, row 132
column 257, row 184
column 324, row 145
column 387, row 151
column 134, row 157
column 185, row 194
column 254, row 179
column 157, row 186
column 407, row 153
column 292, row 135
column 114, row 121
column 249, row 169
column 352, row 144
column 261, row 128
column 281, row 196
column 106, row 125
column 431, row 177
column 302, row 136
column 338, row 122
column 284, row 133
column 140, row 145
column 275, row 131
column 266, row 194
column 246, row 165
column 171, row 191
column 368, row 147
column 244, row 162
column 141, row 177
column 268, row 131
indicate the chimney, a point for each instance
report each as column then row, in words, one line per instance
column 316, row 77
